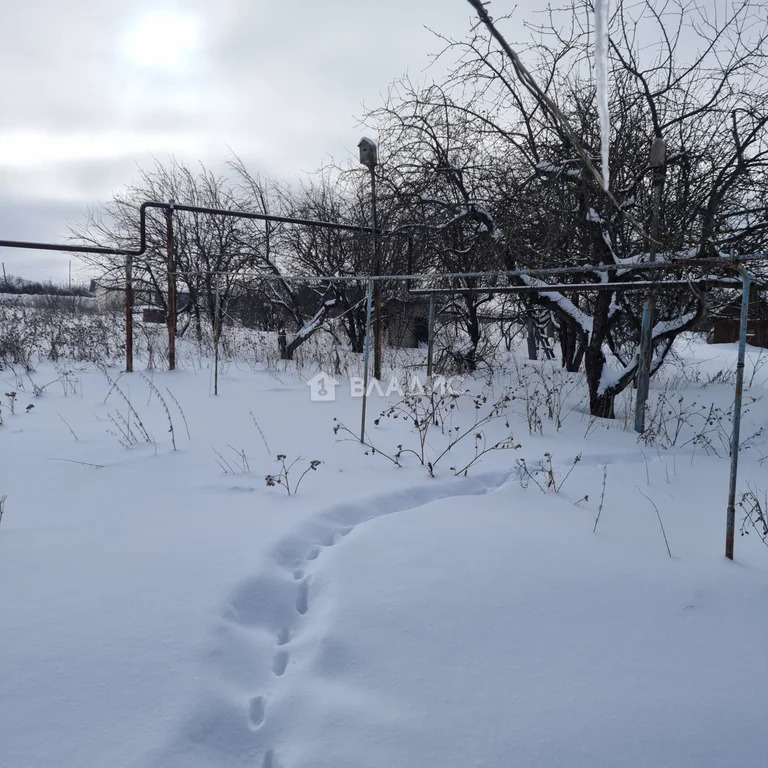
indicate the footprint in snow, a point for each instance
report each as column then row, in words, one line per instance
column 302, row 599
column 280, row 663
column 257, row 712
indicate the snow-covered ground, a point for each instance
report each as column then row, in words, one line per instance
column 167, row 608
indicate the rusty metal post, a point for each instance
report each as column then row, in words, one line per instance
column 366, row 364
column 128, row 314
column 377, row 286
column 730, row 526
column 216, row 335
column 171, row 288
column 369, row 157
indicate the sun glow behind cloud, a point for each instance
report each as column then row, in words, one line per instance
column 25, row 149
column 162, row 40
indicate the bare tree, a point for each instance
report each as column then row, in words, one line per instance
column 204, row 245
column 510, row 155
column 439, row 184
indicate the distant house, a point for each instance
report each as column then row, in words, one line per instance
column 725, row 322
column 406, row 317
column 110, row 294
column 406, row 321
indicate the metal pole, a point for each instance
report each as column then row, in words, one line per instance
column 730, row 525
column 216, row 335
column 644, row 364
column 367, row 357
column 128, row 314
column 657, row 163
column 171, row 289
column 377, row 272
column 431, row 337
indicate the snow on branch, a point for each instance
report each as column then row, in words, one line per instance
column 663, row 335
column 581, row 318
column 557, row 170
column 312, row 325
column 665, row 327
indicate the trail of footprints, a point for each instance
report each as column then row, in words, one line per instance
column 280, row 602
column 257, row 707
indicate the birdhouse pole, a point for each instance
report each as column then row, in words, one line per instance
column 370, row 158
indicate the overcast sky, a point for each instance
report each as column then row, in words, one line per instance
column 92, row 89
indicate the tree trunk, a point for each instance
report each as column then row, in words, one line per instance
column 530, row 330
column 571, row 348
column 286, row 352
column 473, row 328
column 601, row 404
column 355, row 333
column 198, row 324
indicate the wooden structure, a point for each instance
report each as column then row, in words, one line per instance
column 724, row 327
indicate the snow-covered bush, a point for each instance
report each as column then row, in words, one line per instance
column 439, row 430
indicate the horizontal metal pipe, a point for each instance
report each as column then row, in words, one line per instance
column 97, row 249
column 534, row 272
column 447, row 276
column 68, row 248
column 277, row 219
column 640, row 285
column 729, row 261
column 104, row 250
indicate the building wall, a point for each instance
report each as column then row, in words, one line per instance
column 727, row 332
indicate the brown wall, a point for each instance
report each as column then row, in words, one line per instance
column 727, row 332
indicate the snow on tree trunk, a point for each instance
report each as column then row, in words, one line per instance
column 601, row 83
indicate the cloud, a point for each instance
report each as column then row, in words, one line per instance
column 32, row 149
column 88, row 96
column 37, row 220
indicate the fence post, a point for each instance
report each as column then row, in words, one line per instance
column 731, row 513
column 216, row 335
column 658, row 164
column 431, row 337
column 644, row 365
column 377, row 350
column 367, row 356
column 128, row 314
column 171, row 288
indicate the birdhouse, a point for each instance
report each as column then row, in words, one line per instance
column 658, row 157
column 368, row 153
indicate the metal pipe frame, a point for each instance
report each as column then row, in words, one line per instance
column 542, row 272
column 169, row 208
column 640, row 285
column 728, row 262
column 171, row 271
column 645, row 351
column 217, row 336
column 152, row 204
column 377, row 285
column 644, row 363
column 369, row 306
column 730, row 525
column 129, row 314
